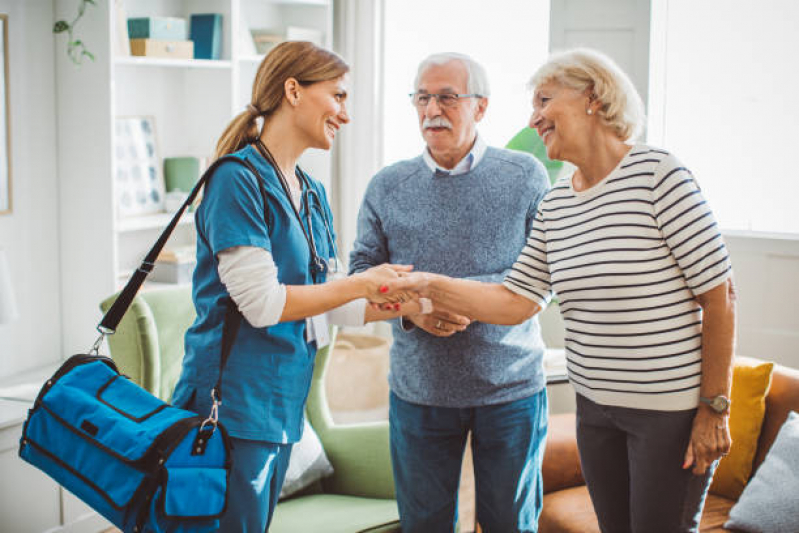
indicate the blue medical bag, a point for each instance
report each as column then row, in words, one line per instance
column 143, row 464
column 138, row 461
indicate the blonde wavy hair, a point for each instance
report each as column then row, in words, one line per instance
column 301, row 60
column 581, row 68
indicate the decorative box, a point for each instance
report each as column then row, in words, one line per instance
column 181, row 173
column 206, row 32
column 157, row 48
column 163, row 28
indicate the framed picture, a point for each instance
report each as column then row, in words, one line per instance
column 5, row 130
column 139, row 183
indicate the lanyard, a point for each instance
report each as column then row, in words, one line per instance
column 318, row 266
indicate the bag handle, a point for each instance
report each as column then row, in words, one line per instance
column 110, row 321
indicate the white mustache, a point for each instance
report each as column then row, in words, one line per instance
column 437, row 122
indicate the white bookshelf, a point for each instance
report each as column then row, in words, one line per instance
column 135, row 61
column 191, row 102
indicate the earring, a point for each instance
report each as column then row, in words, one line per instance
column 589, row 111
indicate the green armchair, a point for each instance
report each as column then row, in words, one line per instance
column 357, row 497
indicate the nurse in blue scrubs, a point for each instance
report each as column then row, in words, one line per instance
column 265, row 241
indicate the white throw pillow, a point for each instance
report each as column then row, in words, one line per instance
column 770, row 501
column 308, row 463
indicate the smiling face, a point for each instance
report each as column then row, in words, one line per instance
column 449, row 132
column 560, row 116
column 321, row 111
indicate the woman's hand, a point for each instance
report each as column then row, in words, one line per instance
column 710, row 440
column 382, row 285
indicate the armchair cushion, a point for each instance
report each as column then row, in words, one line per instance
column 750, row 384
column 770, row 500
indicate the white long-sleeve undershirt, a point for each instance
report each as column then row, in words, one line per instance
column 250, row 275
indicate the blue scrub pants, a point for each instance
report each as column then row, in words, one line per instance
column 427, row 445
column 259, row 469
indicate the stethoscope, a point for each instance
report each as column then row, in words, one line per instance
column 318, row 264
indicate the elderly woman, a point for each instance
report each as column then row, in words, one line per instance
column 633, row 252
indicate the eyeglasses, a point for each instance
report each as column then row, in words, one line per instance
column 442, row 99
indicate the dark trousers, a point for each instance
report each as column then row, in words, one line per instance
column 632, row 463
column 427, row 445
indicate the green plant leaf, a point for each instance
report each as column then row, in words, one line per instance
column 60, row 26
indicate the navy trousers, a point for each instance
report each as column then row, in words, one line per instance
column 427, row 445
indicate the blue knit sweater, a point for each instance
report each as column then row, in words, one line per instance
column 472, row 226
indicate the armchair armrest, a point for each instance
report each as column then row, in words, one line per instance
column 359, row 453
column 361, row 460
column 561, row 468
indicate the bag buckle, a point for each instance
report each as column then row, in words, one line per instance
column 213, row 416
column 95, row 349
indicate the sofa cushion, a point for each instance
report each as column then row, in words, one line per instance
column 570, row 511
column 307, row 465
column 783, row 397
column 770, row 501
column 334, row 513
column 750, row 384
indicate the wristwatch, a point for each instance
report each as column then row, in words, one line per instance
column 720, row 403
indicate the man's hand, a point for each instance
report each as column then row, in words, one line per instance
column 440, row 322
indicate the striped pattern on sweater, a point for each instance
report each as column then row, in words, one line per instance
column 627, row 258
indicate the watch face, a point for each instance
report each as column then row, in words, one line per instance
column 720, row 403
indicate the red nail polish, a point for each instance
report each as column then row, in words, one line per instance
column 396, row 307
column 383, row 289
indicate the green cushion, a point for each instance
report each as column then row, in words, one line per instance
column 333, row 513
column 148, row 344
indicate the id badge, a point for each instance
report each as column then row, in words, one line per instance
column 321, row 330
column 309, row 330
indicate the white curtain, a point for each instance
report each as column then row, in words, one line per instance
column 358, row 37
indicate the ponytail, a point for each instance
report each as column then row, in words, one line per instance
column 241, row 131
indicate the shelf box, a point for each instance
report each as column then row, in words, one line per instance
column 166, row 49
column 162, row 28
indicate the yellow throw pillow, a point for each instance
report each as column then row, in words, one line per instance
column 750, row 383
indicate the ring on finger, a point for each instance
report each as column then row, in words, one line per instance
column 438, row 325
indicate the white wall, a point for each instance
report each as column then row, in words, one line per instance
column 765, row 273
column 30, row 233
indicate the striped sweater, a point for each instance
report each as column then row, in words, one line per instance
column 627, row 258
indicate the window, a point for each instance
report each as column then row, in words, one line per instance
column 723, row 99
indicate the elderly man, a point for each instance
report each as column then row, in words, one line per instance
column 462, row 209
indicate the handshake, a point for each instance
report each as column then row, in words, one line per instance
column 398, row 291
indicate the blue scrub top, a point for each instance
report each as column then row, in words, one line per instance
column 268, row 374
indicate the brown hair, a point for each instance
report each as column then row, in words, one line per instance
column 301, row 60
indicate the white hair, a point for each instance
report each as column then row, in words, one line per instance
column 477, row 80
column 581, row 68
